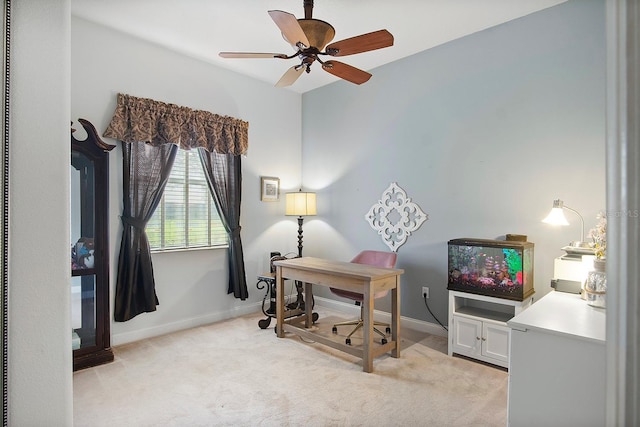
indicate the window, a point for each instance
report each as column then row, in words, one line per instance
column 186, row 217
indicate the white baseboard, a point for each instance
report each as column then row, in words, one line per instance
column 349, row 309
column 381, row 316
column 140, row 334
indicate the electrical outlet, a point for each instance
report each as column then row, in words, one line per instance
column 425, row 292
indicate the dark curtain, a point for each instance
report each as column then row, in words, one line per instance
column 145, row 174
column 151, row 132
column 224, row 176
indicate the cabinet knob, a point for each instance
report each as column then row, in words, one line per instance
column 484, row 339
column 478, row 338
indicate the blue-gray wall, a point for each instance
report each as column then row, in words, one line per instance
column 482, row 133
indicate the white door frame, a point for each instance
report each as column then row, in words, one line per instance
column 623, row 211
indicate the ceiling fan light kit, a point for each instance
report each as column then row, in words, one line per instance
column 318, row 32
column 309, row 37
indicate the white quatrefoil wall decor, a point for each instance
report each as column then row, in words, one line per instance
column 395, row 217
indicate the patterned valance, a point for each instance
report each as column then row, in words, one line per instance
column 156, row 123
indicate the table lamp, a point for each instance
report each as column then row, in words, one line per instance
column 301, row 204
column 556, row 217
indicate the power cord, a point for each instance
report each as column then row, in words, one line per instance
column 433, row 315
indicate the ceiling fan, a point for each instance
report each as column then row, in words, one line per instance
column 308, row 37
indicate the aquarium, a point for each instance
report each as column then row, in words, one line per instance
column 497, row 268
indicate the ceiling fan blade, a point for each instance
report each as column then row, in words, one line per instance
column 361, row 43
column 251, row 55
column 346, row 72
column 290, row 76
column 291, row 29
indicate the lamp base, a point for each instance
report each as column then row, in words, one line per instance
column 300, row 221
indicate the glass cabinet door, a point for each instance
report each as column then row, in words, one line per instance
column 83, row 312
column 83, row 282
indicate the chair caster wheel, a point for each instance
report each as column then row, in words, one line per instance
column 264, row 323
column 348, row 341
column 383, row 341
column 315, row 317
column 334, row 330
column 388, row 330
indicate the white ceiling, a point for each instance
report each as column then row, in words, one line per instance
column 202, row 28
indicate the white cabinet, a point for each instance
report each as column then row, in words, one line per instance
column 466, row 335
column 477, row 326
column 481, row 339
column 495, row 344
column 558, row 363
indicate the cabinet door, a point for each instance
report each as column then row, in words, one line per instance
column 467, row 336
column 84, row 241
column 495, row 341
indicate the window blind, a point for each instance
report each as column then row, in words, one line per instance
column 186, row 217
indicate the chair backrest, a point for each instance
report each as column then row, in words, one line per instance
column 376, row 258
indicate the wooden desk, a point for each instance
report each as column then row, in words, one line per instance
column 360, row 278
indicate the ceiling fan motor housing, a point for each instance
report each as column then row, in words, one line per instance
column 318, row 32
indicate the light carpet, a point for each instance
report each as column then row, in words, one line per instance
column 233, row 373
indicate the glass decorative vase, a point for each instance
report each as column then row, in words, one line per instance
column 595, row 287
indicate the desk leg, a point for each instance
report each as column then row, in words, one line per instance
column 279, row 302
column 395, row 318
column 308, row 306
column 367, row 319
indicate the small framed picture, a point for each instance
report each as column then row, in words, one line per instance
column 269, row 189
